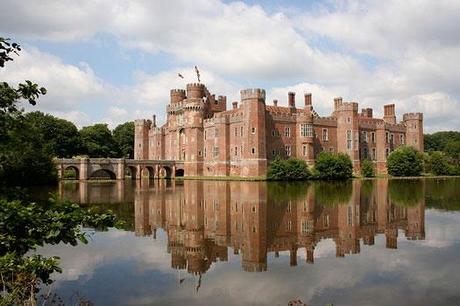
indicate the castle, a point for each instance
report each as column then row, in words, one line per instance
column 212, row 141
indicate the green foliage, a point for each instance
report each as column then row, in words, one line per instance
column 60, row 137
column 438, row 163
column 98, row 141
column 280, row 192
column 26, row 225
column 331, row 166
column 452, row 150
column 439, row 140
column 288, row 170
column 367, row 168
column 442, row 193
column 405, row 161
column 123, row 135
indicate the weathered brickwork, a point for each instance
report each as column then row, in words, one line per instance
column 214, row 141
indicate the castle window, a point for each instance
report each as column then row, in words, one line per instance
column 204, row 152
column 287, row 132
column 241, row 131
column 401, row 139
column 273, row 152
column 387, row 137
column 374, row 155
column 216, row 151
column 273, row 132
column 349, row 140
column 387, row 152
column 348, row 119
column 391, row 138
column 253, row 130
column 199, row 153
column 236, row 151
column 205, row 135
column 331, row 149
column 365, row 136
column 288, row 150
column 306, row 130
column 325, row 135
column 304, row 150
column 373, row 137
column 365, row 153
column 289, row 226
column 253, row 150
column 236, row 132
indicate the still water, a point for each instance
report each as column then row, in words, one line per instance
column 363, row 242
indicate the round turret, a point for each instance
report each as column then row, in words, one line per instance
column 195, row 91
column 177, row 95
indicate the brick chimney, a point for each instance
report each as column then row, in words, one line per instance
column 275, row 102
column 235, row 105
column 291, row 99
column 307, row 99
column 154, row 121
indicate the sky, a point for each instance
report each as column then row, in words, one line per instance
column 114, row 60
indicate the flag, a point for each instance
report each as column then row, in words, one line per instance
column 197, row 73
column 180, row 75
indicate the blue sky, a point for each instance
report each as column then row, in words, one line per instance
column 113, row 61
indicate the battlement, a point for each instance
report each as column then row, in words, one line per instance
column 252, row 93
column 413, row 116
column 196, row 90
column 348, row 106
column 142, row 122
column 177, row 95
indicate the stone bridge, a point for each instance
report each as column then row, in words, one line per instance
column 118, row 168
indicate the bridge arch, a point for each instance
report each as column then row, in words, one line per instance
column 179, row 172
column 165, row 172
column 71, row 173
column 150, row 171
column 103, row 174
column 132, row 170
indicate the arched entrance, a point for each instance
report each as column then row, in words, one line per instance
column 71, row 173
column 103, row 174
column 179, row 173
column 148, row 171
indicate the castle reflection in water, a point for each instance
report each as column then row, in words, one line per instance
column 203, row 219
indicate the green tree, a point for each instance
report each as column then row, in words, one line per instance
column 452, row 149
column 288, row 170
column 23, row 157
column 97, row 141
column 405, row 161
column 367, row 168
column 123, row 135
column 439, row 163
column 331, row 166
column 61, row 137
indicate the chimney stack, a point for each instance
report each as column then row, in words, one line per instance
column 291, row 99
column 275, row 102
column 308, row 99
column 154, row 121
column 235, row 105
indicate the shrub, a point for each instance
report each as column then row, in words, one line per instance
column 439, row 164
column 405, row 161
column 367, row 168
column 291, row 169
column 331, row 166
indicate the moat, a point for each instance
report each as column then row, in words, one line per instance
column 361, row 242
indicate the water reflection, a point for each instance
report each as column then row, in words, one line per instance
column 204, row 219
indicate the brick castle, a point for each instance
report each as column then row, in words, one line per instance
column 213, row 141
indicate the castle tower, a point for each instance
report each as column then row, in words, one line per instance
column 141, row 138
column 414, row 130
column 347, row 130
column 191, row 136
column 254, row 136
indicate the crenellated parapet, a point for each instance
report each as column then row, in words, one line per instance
column 177, row 95
column 348, row 106
column 413, row 116
column 196, row 91
column 143, row 123
column 252, row 93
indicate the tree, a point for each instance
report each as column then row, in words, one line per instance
column 23, row 159
column 60, row 136
column 97, row 141
column 331, row 166
column 123, row 135
column 438, row 164
column 405, row 161
column 288, row 170
column 367, row 168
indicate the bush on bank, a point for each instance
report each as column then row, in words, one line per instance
column 367, row 168
column 330, row 166
column 291, row 169
column 405, row 161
